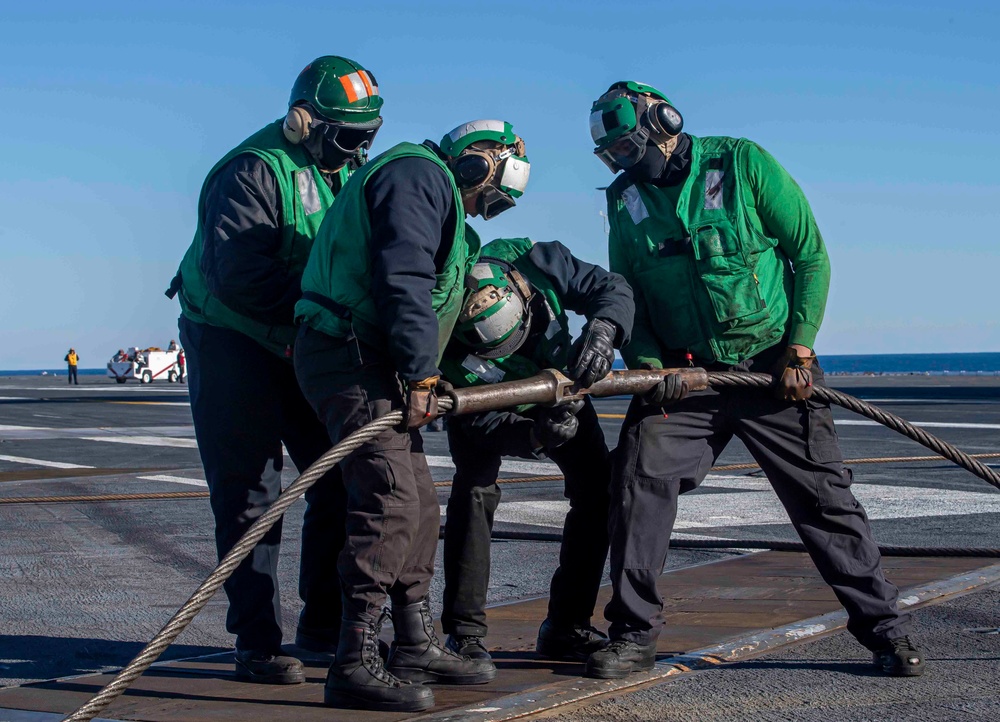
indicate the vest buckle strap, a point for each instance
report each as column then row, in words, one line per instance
column 337, row 309
column 673, row 247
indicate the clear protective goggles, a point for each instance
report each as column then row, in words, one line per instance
column 624, row 152
column 616, row 130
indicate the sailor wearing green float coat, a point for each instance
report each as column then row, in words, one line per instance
column 729, row 272
column 380, row 295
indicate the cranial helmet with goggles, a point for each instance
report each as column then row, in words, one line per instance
column 626, row 117
column 334, row 111
column 488, row 162
column 495, row 316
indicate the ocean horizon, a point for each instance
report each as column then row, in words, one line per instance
column 931, row 364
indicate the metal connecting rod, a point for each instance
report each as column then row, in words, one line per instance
column 552, row 388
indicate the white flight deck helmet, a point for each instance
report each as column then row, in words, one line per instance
column 488, row 162
column 495, row 316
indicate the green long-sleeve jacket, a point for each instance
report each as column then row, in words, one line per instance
column 724, row 264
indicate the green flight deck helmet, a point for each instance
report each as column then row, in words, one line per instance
column 488, row 161
column 495, row 316
column 334, row 109
column 626, row 117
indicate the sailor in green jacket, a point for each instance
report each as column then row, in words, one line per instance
column 380, row 295
column 259, row 211
column 729, row 272
column 515, row 323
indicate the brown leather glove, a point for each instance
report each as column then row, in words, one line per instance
column 793, row 376
column 422, row 401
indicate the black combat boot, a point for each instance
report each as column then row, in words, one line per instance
column 417, row 655
column 468, row 645
column 268, row 667
column 358, row 679
column 572, row 643
column 898, row 658
column 620, row 659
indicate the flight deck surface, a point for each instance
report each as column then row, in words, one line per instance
column 86, row 582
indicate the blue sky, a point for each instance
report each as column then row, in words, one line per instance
column 111, row 114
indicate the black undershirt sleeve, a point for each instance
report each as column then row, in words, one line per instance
column 585, row 288
column 411, row 206
column 242, row 234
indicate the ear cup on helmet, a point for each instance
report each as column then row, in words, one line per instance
column 472, row 170
column 665, row 118
column 296, row 125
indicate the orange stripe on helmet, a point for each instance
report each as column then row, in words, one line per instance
column 368, row 83
column 352, row 94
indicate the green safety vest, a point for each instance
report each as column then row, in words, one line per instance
column 336, row 283
column 715, row 284
column 305, row 198
column 552, row 349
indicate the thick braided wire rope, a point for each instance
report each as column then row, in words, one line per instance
column 310, row 476
column 824, row 393
column 149, row 654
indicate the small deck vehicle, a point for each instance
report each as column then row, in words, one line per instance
column 145, row 365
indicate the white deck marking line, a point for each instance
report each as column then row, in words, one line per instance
column 43, row 462
column 928, row 424
column 175, row 480
column 112, row 388
column 519, row 467
column 52, row 432
column 152, row 403
column 761, row 506
column 948, row 402
column 146, row 441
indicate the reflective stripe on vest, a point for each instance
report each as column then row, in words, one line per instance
column 304, row 196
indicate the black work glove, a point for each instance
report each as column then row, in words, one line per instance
column 421, row 403
column 793, row 377
column 557, row 425
column 671, row 389
column 593, row 353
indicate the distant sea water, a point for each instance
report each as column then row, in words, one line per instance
column 934, row 364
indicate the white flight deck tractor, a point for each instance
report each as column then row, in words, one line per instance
column 144, row 365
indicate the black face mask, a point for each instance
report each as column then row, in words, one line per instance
column 650, row 166
column 492, row 202
column 678, row 164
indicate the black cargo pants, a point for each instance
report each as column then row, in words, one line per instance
column 475, row 496
column 246, row 403
column 660, row 456
column 393, row 515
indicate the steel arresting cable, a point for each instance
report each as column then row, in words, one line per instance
column 310, row 476
column 824, row 393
